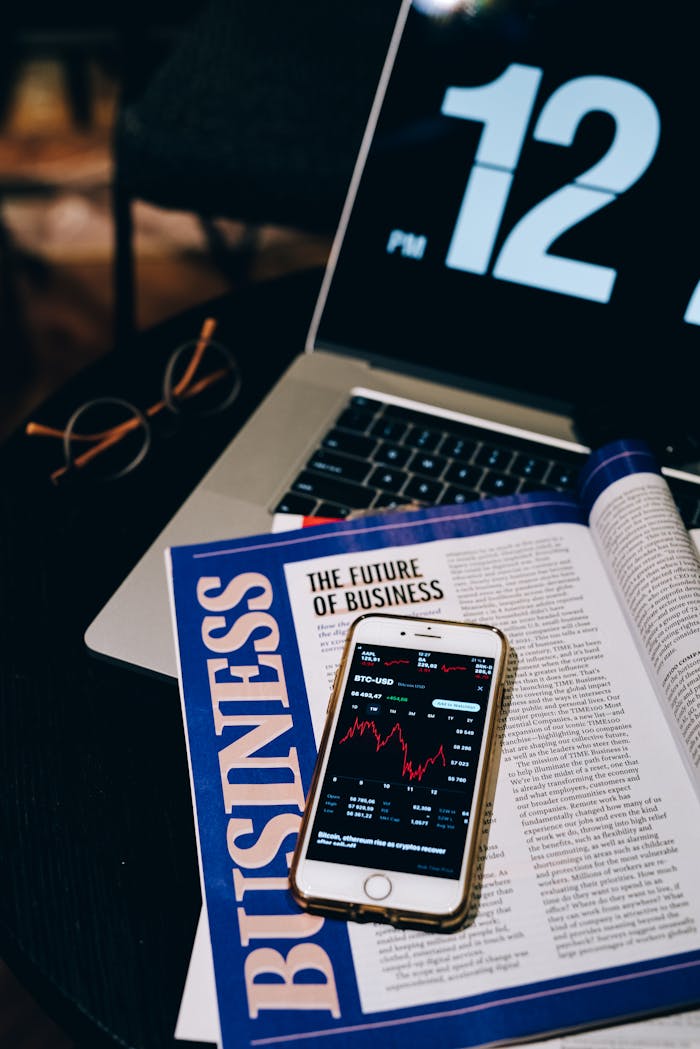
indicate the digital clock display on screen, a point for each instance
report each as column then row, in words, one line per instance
column 528, row 209
column 399, row 783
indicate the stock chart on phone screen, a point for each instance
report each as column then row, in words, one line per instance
column 402, row 767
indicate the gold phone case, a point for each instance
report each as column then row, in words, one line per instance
column 364, row 912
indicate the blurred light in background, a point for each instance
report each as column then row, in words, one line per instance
column 445, row 8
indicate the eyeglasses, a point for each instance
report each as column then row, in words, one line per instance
column 201, row 378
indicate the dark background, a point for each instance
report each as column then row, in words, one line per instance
column 57, row 301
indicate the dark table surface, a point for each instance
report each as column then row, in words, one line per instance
column 99, row 889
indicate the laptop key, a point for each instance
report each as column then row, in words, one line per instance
column 387, row 501
column 562, row 475
column 452, row 494
column 423, row 490
column 428, row 465
column 464, row 475
column 494, row 456
column 367, row 404
column 388, row 479
column 293, row 503
column 355, row 419
column 338, row 465
column 331, row 510
column 392, row 454
column 389, row 429
column 498, row 484
column 422, row 437
column 455, row 447
column 332, row 490
column 530, row 467
column 350, row 443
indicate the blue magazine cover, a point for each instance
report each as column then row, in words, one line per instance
column 589, row 910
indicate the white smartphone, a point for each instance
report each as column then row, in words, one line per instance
column 394, row 814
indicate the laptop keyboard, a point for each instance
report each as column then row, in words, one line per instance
column 381, row 456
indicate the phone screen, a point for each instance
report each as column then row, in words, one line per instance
column 402, row 766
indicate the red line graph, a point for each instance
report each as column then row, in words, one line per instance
column 394, row 662
column 408, row 768
column 446, row 669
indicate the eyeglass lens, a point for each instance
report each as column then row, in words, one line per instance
column 116, row 431
column 201, row 379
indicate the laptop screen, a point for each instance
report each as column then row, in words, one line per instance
column 528, row 211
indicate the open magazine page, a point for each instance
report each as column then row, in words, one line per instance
column 587, row 906
column 198, row 1020
column 584, row 767
column 656, row 570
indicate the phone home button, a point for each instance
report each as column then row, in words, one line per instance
column 377, row 886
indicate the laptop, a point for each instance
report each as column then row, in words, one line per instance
column 516, row 274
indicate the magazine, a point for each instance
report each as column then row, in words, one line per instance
column 589, row 910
